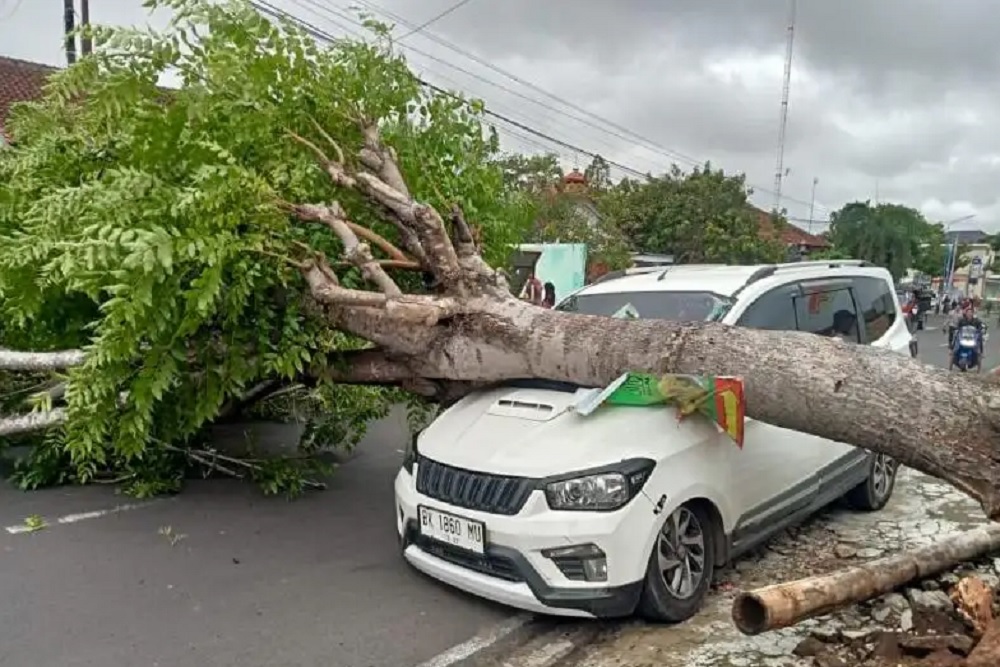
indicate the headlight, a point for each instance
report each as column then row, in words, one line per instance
column 599, row 491
column 410, row 454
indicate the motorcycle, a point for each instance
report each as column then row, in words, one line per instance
column 965, row 353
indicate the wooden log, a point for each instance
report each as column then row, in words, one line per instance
column 987, row 651
column 783, row 605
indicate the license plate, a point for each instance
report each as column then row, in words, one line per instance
column 454, row 530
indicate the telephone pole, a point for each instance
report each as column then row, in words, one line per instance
column 86, row 44
column 69, row 23
column 812, row 203
column 779, row 167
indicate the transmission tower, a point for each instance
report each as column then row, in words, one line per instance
column 779, row 168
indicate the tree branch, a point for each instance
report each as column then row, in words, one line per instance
column 375, row 366
column 11, row 360
column 355, row 251
column 32, row 421
column 384, row 244
column 465, row 241
column 420, row 225
column 405, row 265
column 403, row 309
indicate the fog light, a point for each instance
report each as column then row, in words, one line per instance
column 596, row 569
column 581, row 562
column 580, row 551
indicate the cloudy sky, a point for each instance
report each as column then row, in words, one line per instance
column 893, row 98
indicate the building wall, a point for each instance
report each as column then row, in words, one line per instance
column 960, row 281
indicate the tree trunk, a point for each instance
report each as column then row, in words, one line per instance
column 471, row 331
column 987, row 651
column 782, row 605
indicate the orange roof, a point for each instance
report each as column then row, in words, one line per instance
column 790, row 235
column 20, row 81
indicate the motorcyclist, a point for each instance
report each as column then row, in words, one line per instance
column 968, row 318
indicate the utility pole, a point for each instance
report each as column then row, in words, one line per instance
column 812, row 203
column 785, row 89
column 68, row 26
column 86, row 45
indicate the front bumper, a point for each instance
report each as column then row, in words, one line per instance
column 513, row 570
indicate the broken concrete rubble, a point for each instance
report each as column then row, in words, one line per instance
column 923, row 511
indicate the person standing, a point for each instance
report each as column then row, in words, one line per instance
column 549, row 300
column 533, row 291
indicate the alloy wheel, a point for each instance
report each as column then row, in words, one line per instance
column 883, row 473
column 680, row 553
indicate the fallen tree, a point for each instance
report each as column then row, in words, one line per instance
column 221, row 269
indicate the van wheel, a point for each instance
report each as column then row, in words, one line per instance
column 681, row 566
column 872, row 494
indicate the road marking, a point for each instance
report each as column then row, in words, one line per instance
column 483, row 640
column 76, row 518
column 547, row 655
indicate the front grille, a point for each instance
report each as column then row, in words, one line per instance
column 472, row 490
column 493, row 566
column 571, row 567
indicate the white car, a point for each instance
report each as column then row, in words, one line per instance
column 512, row 496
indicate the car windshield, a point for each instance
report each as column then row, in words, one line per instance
column 676, row 306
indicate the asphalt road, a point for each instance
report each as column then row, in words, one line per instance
column 253, row 582
column 933, row 343
column 239, row 580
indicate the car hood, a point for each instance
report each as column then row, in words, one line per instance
column 536, row 433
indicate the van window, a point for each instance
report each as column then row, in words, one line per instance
column 876, row 305
column 677, row 306
column 828, row 312
column 774, row 310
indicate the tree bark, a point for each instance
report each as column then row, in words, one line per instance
column 987, row 651
column 31, row 421
column 471, row 332
column 11, row 360
column 782, row 605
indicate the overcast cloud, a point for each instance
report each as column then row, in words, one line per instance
column 894, row 97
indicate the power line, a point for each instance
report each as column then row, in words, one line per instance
column 318, row 33
column 630, row 134
column 13, row 10
column 434, row 19
column 325, row 37
column 327, row 12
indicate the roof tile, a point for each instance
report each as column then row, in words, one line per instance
column 20, row 81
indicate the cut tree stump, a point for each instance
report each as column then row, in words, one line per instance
column 783, row 605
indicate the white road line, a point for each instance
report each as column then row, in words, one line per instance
column 482, row 641
column 547, row 655
column 76, row 518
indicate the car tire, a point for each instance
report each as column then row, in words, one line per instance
column 872, row 494
column 669, row 596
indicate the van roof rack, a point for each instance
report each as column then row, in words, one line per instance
column 636, row 270
column 771, row 269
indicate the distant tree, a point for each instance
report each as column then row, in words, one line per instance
column 598, row 174
column 890, row 235
column 703, row 216
column 561, row 217
column 532, row 174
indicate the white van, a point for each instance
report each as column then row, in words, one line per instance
column 511, row 495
